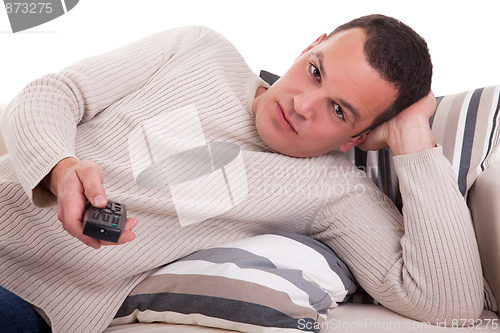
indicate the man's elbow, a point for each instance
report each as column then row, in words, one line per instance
column 462, row 311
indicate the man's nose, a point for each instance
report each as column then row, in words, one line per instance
column 306, row 104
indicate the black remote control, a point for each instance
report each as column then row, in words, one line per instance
column 105, row 223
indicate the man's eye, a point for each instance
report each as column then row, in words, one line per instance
column 338, row 111
column 315, row 72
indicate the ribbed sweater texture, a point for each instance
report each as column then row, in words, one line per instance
column 187, row 88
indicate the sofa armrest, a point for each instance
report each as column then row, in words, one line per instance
column 483, row 200
column 3, row 149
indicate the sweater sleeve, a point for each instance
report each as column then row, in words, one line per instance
column 423, row 264
column 40, row 123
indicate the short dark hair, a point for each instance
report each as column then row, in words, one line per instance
column 399, row 55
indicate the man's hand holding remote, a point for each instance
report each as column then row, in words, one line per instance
column 73, row 182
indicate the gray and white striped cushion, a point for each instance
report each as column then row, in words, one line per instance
column 467, row 126
column 257, row 284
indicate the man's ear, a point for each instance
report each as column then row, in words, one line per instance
column 313, row 44
column 354, row 142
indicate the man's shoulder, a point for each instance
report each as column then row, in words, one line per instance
column 185, row 35
column 192, row 32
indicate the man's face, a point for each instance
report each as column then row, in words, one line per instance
column 327, row 96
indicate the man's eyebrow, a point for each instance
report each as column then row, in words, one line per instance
column 343, row 103
column 347, row 106
column 319, row 57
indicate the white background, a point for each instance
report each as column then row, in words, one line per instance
column 463, row 36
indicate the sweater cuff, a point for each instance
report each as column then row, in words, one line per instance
column 38, row 194
column 420, row 157
column 426, row 169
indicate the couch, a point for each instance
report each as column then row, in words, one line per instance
column 467, row 126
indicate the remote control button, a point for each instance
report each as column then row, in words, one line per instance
column 105, row 223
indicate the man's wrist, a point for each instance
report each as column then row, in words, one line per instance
column 409, row 132
column 57, row 173
column 412, row 139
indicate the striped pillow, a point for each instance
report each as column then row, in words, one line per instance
column 257, row 284
column 467, row 126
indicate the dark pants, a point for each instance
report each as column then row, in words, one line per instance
column 16, row 315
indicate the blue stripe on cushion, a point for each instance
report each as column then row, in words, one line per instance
column 438, row 101
column 468, row 140
column 270, row 78
column 240, row 312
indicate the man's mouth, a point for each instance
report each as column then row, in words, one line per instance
column 283, row 120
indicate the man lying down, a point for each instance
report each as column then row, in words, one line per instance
column 89, row 131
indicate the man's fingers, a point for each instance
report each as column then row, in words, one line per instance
column 131, row 223
column 127, row 235
column 70, row 215
column 84, row 180
column 74, row 227
column 92, row 179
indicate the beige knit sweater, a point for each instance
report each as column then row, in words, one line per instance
column 186, row 88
